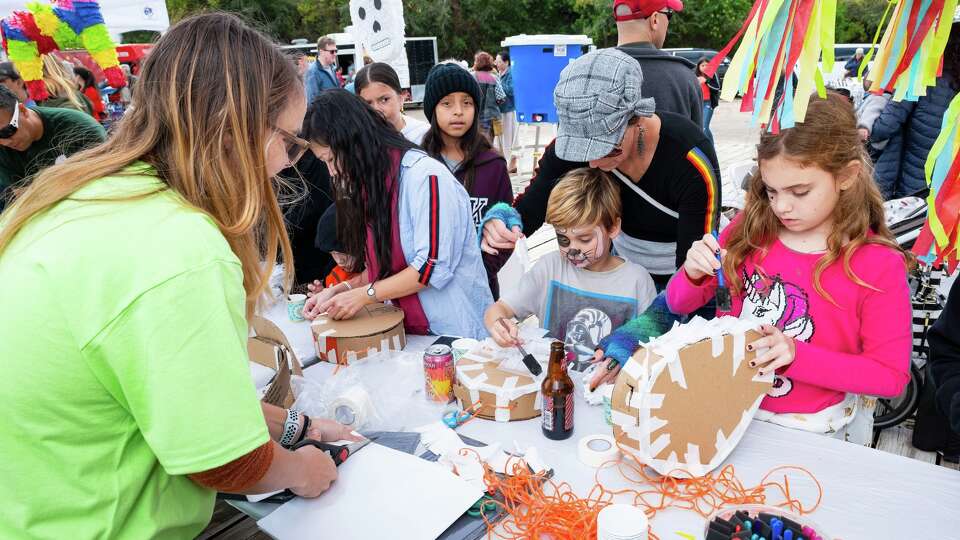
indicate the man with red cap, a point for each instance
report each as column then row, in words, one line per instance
column 641, row 30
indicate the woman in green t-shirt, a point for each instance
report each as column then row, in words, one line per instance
column 127, row 276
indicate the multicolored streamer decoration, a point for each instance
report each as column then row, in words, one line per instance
column 64, row 24
column 910, row 57
column 782, row 43
column 939, row 241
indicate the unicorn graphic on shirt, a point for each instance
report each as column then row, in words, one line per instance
column 782, row 304
column 778, row 303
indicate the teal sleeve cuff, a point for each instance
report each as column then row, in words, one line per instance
column 654, row 322
column 505, row 213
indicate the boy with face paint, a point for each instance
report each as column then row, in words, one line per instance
column 582, row 291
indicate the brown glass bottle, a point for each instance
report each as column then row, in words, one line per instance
column 557, row 391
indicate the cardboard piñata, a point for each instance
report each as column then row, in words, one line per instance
column 375, row 328
column 505, row 395
column 684, row 400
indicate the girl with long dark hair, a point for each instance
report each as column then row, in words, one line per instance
column 450, row 103
column 403, row 216
column 379, row 85
column 710, row 87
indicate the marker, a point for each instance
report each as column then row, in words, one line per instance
column 788, row 535
column 777, row 527
column 748, row 525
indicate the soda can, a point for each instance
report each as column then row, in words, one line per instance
column 438, row 373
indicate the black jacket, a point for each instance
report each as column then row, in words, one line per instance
column 672, row 180
column 911, row 127
column 669, row 80
column 944, row 338
column 713, row 83
column 303, row 216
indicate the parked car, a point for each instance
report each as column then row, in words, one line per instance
column 693, row 55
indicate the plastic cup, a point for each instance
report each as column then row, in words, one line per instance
column 295, row 304
column 462, row 346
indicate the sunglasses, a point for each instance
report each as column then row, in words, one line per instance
column 10, row 129
column 331, row 51
column 295, row 146
column 668, row 13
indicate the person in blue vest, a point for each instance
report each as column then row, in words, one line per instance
column 322, row 74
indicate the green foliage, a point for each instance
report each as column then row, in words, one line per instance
column 463, row 27
column 707, row 24
column 857, row 20
column 139, row 36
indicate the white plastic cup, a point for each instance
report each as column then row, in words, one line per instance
column 462, row 346
column 295, row 304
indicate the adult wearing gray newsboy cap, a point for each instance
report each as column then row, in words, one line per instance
column 667, row 168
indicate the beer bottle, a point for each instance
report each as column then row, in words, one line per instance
column 557, row 391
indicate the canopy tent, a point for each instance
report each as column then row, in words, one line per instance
column 119, row 15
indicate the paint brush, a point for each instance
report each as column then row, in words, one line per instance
column 724, row 302
column 528, row 359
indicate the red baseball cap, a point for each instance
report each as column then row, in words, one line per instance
column 628, row 10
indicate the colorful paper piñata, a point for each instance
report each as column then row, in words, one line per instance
column 782, row 42
column 939, row 240
column 64, row 24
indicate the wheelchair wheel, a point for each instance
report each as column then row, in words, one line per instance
column 892, row 411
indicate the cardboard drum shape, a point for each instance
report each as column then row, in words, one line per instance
column 375, row 328
column 505, row 395
column 684, row 400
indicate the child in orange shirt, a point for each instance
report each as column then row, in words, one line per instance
column 339, row 278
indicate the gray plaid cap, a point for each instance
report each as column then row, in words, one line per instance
column 596, row 96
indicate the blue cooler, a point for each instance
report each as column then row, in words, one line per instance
column 536, row 63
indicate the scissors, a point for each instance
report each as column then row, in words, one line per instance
column 485, row 505
column 338, row 453
column 455, row 419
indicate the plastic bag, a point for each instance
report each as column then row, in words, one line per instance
column 370, row 396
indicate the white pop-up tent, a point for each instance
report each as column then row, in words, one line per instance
column 119, row 15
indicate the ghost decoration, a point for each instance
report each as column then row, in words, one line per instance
column 378, row 28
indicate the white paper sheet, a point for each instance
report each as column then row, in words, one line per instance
column 380, row 493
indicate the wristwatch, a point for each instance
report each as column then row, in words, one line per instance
column 371, row 293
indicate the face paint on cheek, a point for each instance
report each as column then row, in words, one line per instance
column 581, row 258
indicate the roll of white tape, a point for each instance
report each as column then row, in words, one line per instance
column 595, row 450
column 622, row 522
column 353, row 407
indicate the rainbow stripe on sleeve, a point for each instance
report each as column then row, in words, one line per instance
column 702, row 164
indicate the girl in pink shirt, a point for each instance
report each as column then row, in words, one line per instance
column 811, row 258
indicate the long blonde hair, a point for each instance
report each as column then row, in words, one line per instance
column 826, row 139
column 60, row 83
column 208, row 93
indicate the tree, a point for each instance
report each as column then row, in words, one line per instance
column 702, row 23
column 857, row 20
column 463, row 27
column 139, row 36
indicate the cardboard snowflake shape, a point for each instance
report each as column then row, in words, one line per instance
column 685, row 399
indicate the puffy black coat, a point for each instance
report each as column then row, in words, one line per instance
column 910, row 129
